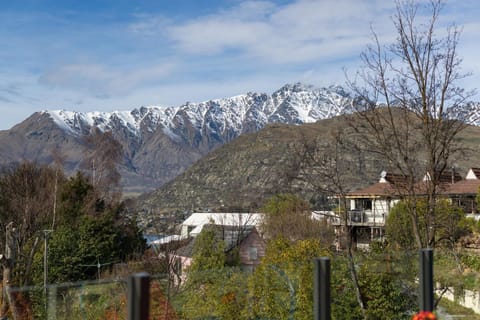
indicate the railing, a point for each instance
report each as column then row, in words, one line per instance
column 322, row 288
column 143, row 296
column 359, row 218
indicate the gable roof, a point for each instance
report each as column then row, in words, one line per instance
column 393, row 178
column 473, row 173
column 467, row 186
column 388, row 185
column 446, row 176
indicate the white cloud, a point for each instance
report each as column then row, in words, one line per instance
column 299, row 32
column 170, row 57
column 149, row 25
column 103, row 81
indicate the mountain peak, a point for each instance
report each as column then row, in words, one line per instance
column 161, row 142
column 80, row 122
column 296, row 87
column 235, row 115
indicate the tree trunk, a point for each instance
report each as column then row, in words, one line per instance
column 351, row 264
column 8, row 263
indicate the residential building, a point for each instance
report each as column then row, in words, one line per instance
column 464, row 193
column 369, row 207
column 243, row 246
column 193, row 225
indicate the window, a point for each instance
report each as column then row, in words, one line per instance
column 252, row 253
column 367, row 204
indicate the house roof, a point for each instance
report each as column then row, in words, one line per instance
column 392, row 184
column 378, row 189
column 168, row 239
column 388, row 185
column 393, row 178
column 231, row 235
column 473, row 173
column 446, row 176
column 227, row 219
column 467, row 186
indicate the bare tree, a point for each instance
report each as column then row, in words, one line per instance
column 26, row 198
column 326, row 165
column 290, row 217
column 408, row 97
column 103, row 156
column 58, row 162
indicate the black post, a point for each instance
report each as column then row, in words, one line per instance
column 426, row 280
column 138, row 296
column 321, row 293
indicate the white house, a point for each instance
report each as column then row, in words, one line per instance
column 370, row 206
column 464, row 193
column 193, row 225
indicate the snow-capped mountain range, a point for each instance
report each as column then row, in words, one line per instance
column 224, row 118
column 159, row 143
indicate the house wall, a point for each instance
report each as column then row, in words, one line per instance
column 353, row 205
column 378, row 212
column 381, row 207
column 467, row 298
column 252, row 250
column 180, row 276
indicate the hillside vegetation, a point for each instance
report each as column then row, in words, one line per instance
column 242, row 174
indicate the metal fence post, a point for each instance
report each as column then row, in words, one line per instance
column 426, row 280
column 52, row 302
column 321, row 292
column 138, row 296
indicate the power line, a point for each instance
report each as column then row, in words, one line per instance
column 98, row 265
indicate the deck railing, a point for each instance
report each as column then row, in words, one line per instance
column 359, row 218
column 144, row 296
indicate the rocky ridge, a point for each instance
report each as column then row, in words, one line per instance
column 161, row 142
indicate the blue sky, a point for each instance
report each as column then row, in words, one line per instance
column 107, row 55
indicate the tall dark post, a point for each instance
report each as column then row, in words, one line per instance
column 426, row 280
column 138, row 296
column 321, row 293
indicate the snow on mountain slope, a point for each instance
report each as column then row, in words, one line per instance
column 75, row 122
column 225, row 118
column 160, row 143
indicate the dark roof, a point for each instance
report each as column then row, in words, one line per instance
column 377, row 189
column 396, row 179
column 187, row 249
column 470, row 186
column 390, row 184
column 231, row 235
column 448, row 176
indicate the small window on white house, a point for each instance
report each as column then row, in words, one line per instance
column 252, row 253
column 367, row 204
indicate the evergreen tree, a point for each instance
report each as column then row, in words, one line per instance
column 204, row 276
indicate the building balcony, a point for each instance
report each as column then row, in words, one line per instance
column 361, row 218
